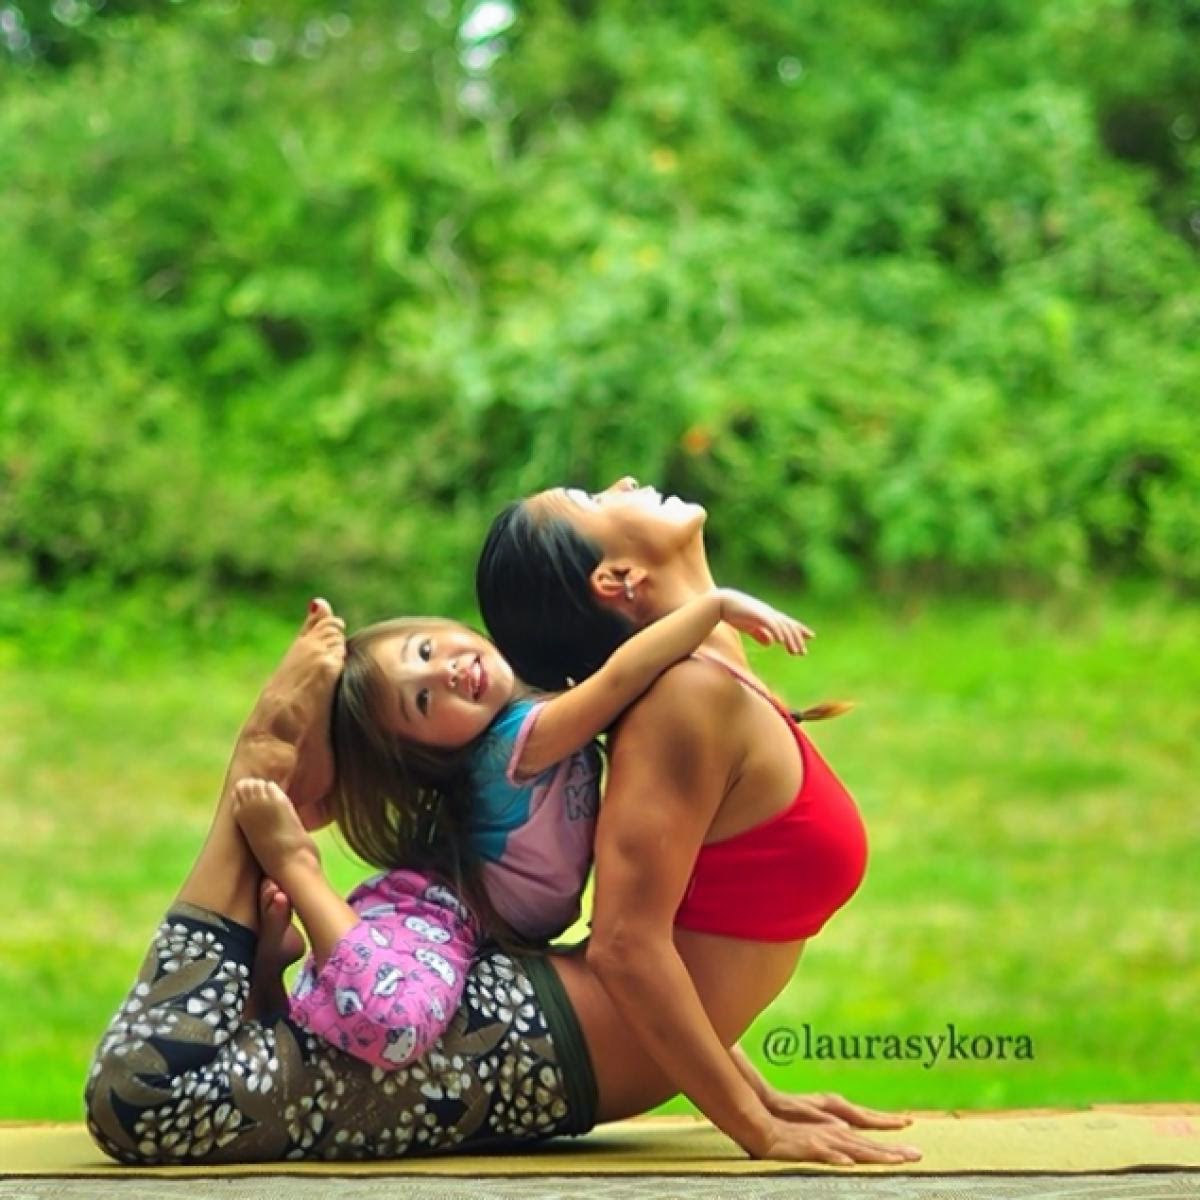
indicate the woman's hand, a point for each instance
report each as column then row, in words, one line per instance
column 828, row 1108
column 762, row 622
column 825, row 1142
column 812, row 1108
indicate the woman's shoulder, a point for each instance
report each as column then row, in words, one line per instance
column 696, row 693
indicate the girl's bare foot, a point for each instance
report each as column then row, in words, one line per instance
column 271, row 825
column 294, row 708
column 279, row 945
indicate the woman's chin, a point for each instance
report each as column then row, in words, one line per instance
column 685, row 511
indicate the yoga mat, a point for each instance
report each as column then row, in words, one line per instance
column 1097, row 1140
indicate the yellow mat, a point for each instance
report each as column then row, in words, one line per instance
column 1102, row 1139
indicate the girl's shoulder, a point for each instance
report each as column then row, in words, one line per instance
column 507, row 723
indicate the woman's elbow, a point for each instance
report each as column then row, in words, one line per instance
column 622, row 953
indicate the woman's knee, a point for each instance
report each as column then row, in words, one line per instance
column 112, row 1076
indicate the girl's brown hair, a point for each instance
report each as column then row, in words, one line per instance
column 397, row 803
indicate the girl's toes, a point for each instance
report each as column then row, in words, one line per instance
column 249, row 790
column 275, row 792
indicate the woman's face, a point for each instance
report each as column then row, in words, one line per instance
column 446, row 683
column 627, row 520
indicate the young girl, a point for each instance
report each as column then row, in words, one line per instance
column 440, row 748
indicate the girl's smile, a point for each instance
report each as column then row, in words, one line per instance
column 446, row 683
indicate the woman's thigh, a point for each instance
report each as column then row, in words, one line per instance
column 180, row 1076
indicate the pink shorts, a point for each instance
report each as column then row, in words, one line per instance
column 392, row 984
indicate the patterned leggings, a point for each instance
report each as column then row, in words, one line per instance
column 180, row 1076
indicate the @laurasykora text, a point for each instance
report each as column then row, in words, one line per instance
column 784, row 1045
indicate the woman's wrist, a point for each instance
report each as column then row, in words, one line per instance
column 755, row 1132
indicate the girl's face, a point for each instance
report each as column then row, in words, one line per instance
column 446, row 684
column 628, row 520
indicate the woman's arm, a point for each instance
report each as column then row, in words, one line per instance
column 570, row 720
column 669, row 746
column 676, row 746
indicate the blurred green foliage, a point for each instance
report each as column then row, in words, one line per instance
column 294, row 297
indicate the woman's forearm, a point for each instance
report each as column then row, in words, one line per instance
column 650, row 986
column 750, row 1073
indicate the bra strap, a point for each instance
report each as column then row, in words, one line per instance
column 752, row 684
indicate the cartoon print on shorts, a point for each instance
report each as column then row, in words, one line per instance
column 400, row 1045
column 304, row 982
column 363, row 1032
column 437, row 964
column 437, row 894
column 427, row 930
column 387, row 980
column 347, row 1001
column 354, row 963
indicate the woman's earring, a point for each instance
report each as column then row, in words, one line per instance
column 628, row 590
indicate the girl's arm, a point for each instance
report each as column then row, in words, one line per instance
column 571, row 719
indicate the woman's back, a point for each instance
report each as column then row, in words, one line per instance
column 751, row 772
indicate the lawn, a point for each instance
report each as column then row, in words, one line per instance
column 1027, row 774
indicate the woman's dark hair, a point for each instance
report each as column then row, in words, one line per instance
column 533, row 587
column 397, row 803
column 532, row 583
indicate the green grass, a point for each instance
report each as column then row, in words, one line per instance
column 1027, row 776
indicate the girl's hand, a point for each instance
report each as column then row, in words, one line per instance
column 762, row 622
column 837, row 1145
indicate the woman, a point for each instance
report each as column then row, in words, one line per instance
column 719, row 848
column 187, row 1073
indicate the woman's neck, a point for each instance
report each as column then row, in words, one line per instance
column 672, row 588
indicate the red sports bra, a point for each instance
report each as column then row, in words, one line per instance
column 782, row 879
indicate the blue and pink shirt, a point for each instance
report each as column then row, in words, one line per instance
column 388, row 991
column 533, row 834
